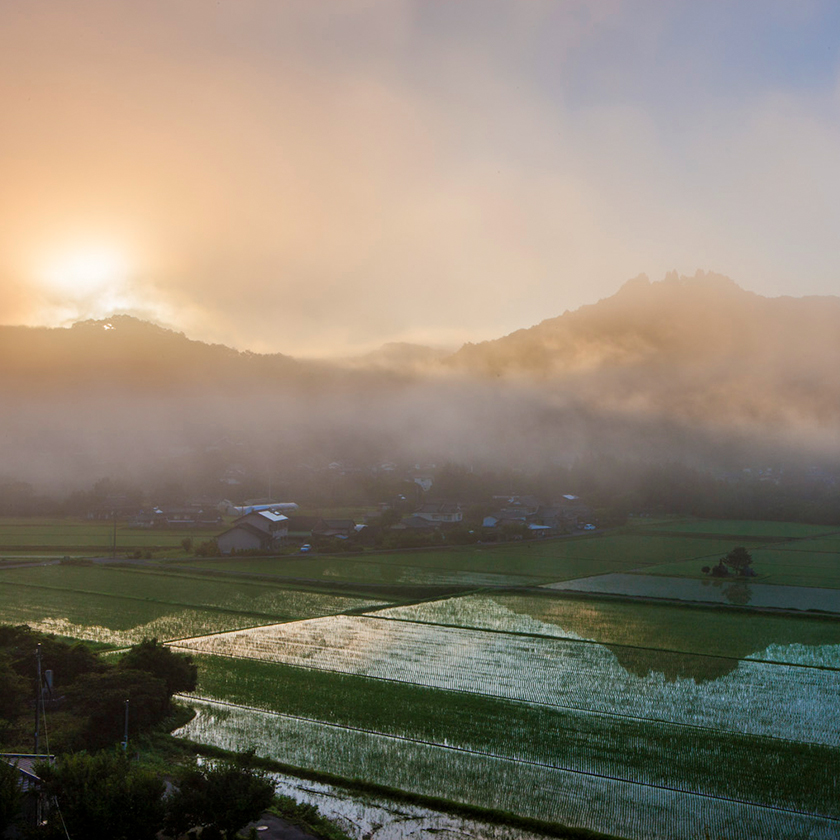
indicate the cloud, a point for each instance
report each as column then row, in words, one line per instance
column 321, row 178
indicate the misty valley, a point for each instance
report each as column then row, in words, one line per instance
column 582, row 581
column 419, row 420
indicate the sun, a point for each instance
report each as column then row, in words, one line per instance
column 85, row 273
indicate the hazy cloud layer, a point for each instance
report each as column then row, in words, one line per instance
column 318, row 178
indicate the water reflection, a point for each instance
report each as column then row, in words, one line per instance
column 737, row 592
column 642, row 662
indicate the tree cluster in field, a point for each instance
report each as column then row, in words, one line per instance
column 738, row 563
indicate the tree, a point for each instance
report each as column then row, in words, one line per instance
column 222, row 797
column 177, row 670
column 11, row 798
column 100, row 698
column 67, row 660
column 103, row 795
column 14, row 690
column 739, row 560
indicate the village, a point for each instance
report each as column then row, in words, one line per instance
column 266, row 526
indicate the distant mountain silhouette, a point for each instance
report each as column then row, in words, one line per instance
column 699, row 347
column 693, row 369
column 125, row 352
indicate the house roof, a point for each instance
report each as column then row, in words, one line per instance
column 26, row 763
column 272, row 515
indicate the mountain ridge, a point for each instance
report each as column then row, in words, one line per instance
column 690, row 368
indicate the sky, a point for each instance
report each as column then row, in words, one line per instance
column 318, row 178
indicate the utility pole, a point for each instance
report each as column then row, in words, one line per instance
column 39, row 698
column 125, row 732
column 114, row 540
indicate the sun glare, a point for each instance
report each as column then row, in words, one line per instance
column 86, row 273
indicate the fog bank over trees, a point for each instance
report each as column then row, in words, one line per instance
column 688, row 370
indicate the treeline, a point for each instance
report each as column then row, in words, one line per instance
column 86, row 701
column 620, row 488
column 95, row 787
column 616, row 487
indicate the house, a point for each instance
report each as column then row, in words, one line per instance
column 273, row 522
column 423, row 480
column 244, row 537
column 251, row 505
column 34, row 802
column 440, row 512
column 261, row 530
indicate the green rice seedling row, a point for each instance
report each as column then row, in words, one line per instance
column 192, row 591
column 781, row 773
column 828, row 544
column 562, row 796
column 793, row 702
column 346, row 570
column 109, row 619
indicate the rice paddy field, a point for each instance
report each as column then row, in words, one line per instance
column 606, row 804
column 121, row 605
column 709, row 631
column 348, row 570
column 528, row 690
column 780, row 566
column 592, row 714
column 525, row 562
column 743, row 528
column 70, row 536
column 737, row 592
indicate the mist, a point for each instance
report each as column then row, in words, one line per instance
column 688, row 370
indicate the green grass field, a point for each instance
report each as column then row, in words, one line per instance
column 89, row 537
column 827, row 544
column 349, row 569
column 783, row 567
column 743, row 528
column 119, row 605
column 539, row 561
